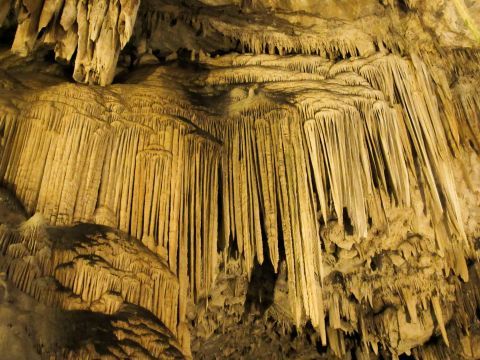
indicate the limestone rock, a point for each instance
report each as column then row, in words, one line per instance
column 98, row 279
column 286, row 169
column 95, row 31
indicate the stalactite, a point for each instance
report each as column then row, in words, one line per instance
column 96, row 30
column 100, row 271
column 335, row 157
column 285, row 168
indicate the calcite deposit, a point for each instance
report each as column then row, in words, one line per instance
column 230, row 179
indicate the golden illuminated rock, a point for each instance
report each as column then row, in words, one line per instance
column 320, row 164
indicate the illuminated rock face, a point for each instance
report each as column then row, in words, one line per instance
column 95, row 30
column 336, row 150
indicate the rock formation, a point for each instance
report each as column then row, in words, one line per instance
column 266, row 166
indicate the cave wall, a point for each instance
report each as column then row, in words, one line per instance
column 338, row 142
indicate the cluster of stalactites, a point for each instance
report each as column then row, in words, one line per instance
column 361, row 136
column 316, row 142
column 95, row 30
column 139, row 168
column 97, row 274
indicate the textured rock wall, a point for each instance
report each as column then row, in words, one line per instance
column 342, row 151
column 92, row 33
column 103, row 294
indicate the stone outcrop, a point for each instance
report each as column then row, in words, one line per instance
column 115, row 298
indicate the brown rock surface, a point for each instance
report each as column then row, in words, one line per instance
column 288, row 167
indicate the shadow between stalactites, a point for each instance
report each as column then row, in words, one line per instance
column 261, row 287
